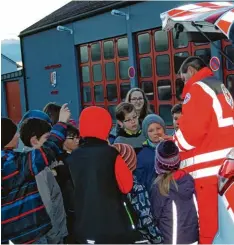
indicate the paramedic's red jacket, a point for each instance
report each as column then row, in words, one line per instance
column 206, row 133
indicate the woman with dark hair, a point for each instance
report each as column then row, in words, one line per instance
column 52, row 110
column 137, row 97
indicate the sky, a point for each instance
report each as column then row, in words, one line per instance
column 17, row 15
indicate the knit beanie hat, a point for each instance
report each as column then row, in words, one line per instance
column 128, row 154
column 8, row 131
column 152, row 118
column 36, row 114
column 167, row 157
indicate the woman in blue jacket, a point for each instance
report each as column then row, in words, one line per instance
column 173, row 198
column 153, row 128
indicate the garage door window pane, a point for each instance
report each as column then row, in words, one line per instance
column 146, row 67
column 111, row 92
column 86, row 94
column 96, row 52
column 111, row 109
column 97, row 73
column 179, row 88
column 124, row 88
column 161, row 41
column 108, row 50
column 165, row 113
column 230, row 84
column 230, row 51
column 98, row 93
column 179, row 59
column 122, row 47
column 148, row 88
column 204, row 54
column 182, row 42
column 163, row 65
column 110, row 71
column 144, row 43
column 164, row 90
column 84, row 54
column 85, row 74
column 123, row 69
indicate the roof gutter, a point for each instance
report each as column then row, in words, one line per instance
column 79, row 17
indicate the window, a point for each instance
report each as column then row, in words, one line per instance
column 111, row 109
column 112, row 92
column 179, row 59
column 182, row 41
column 98, row 93
column 146, row 67
column 144, row 43
column 230, row 84
column 85, row 74
column 108, row 50
column 165, row 113
column 123, row 69
column 179, row 88
column 122, row 47
column 110, row 71
column 161, row 41
column 97, row 73
column 124, row 88
column 148, row 88
column 87, row 94
column 204, row 54
column 96, row 52
column 164, row 90
column 163, row 65
column 199, row 44
column 152, row 108
column 84, row 54
column 229, row 50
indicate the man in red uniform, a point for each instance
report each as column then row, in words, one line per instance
column 206, row 135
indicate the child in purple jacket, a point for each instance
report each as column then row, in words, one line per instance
column 173, row 197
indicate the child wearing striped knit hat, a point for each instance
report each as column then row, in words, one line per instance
column 139, row 199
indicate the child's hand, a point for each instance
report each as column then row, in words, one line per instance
column 64, row 114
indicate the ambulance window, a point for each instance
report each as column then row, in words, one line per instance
column 179, row 59
column 165, row 113
column 182, row 41
column 110, row 71
column 164, row 90
column 124, row 88
column 144, row 43
column 85, row 74
column 122, row 47
column 148, row 88
column 146, row 67
column 98, row 93
column 111, row 92
column 163, row 65
column 230, row 84
column 108, row 50
column 229, row 50
column 204, row 54
column 84, row 54
column 179, row 88
column 123, row 69
column 96, row 52
column 97, row 73
column 111, row 109
column 161, row 41
column 87, row 94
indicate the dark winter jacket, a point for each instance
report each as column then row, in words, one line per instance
column 176, row 214
column 145, row 172
column 24, row 217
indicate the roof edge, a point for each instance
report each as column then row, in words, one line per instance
column 78, row 17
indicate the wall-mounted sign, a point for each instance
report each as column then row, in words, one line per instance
column 53, row 66
column 53, row 79
column 131, row 72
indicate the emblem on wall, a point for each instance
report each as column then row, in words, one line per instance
column 53, row 79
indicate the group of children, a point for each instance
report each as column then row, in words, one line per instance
column 90, row 186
